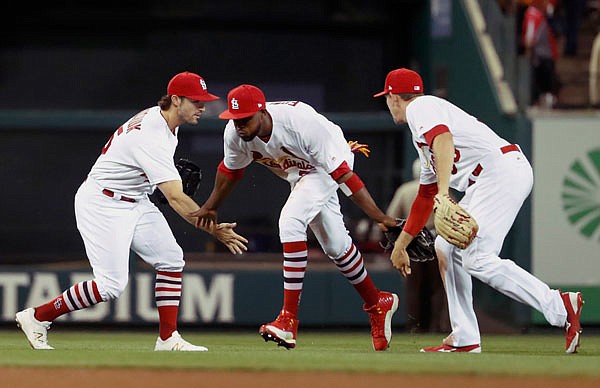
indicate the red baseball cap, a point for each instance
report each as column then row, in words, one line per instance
column 243, row 101
column 402, row 81
column 189, row 85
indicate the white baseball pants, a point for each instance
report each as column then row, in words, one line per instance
column 110, row 228
column 314, row 202
column 494, row 200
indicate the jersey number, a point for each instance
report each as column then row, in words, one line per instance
column 134, row 123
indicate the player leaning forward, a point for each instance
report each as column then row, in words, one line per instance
column 459, row 151
column 114, row 215
column 310, row 152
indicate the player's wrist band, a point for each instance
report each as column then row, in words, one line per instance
column 352, row 185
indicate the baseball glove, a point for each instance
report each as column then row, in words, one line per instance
column 420, row 249
column 190, row 175
column 452, row 222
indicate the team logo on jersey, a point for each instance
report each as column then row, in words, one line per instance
column 581, row 194
column 203, row 84
column 265, row 161
column 235, row 104
column 284, row 162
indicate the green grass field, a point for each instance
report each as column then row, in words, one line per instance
column 520, row 355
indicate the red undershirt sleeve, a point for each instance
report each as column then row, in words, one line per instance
column 421, row 209
column 229, row 173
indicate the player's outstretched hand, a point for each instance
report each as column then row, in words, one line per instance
column 386, row 223
column 401, row 261
column 205, row 216
column 234, row 242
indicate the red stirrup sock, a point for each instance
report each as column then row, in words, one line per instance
column 295, row 258
column 352, row 266
column 79, row 296
column 168, row 295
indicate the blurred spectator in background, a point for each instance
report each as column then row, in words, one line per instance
column 573, row 11
column 367, row 236
column 540, row 47
column 426, row 306
column 512, row 7
column 555, row 17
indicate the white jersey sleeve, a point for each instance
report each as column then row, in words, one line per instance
column 138, row 156
column 428, row 116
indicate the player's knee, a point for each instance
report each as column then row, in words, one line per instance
column 337, row 249
column 170, row 267
column 173, row 265
column 490, row 269
column 111, row 289
column 292, row 229
column 472, row 265
column 482, row 266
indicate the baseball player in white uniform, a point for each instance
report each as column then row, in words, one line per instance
column 114, row 215
column 310, row 152
column 459, row 151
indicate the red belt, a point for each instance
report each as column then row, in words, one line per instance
column 111, row 194
column 504, row 150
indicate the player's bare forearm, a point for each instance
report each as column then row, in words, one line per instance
column 184, row 205
column 221, row 190
column 208, row 211
column 223, row 187
column 403, row 240
column 178, row 200
column 352, row 186
column 443, row 150
column 362, row 198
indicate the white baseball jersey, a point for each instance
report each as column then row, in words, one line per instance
column 138, row 156
column 496, row 180
column 473, row 140
column 304, row 147
column 302, row 141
